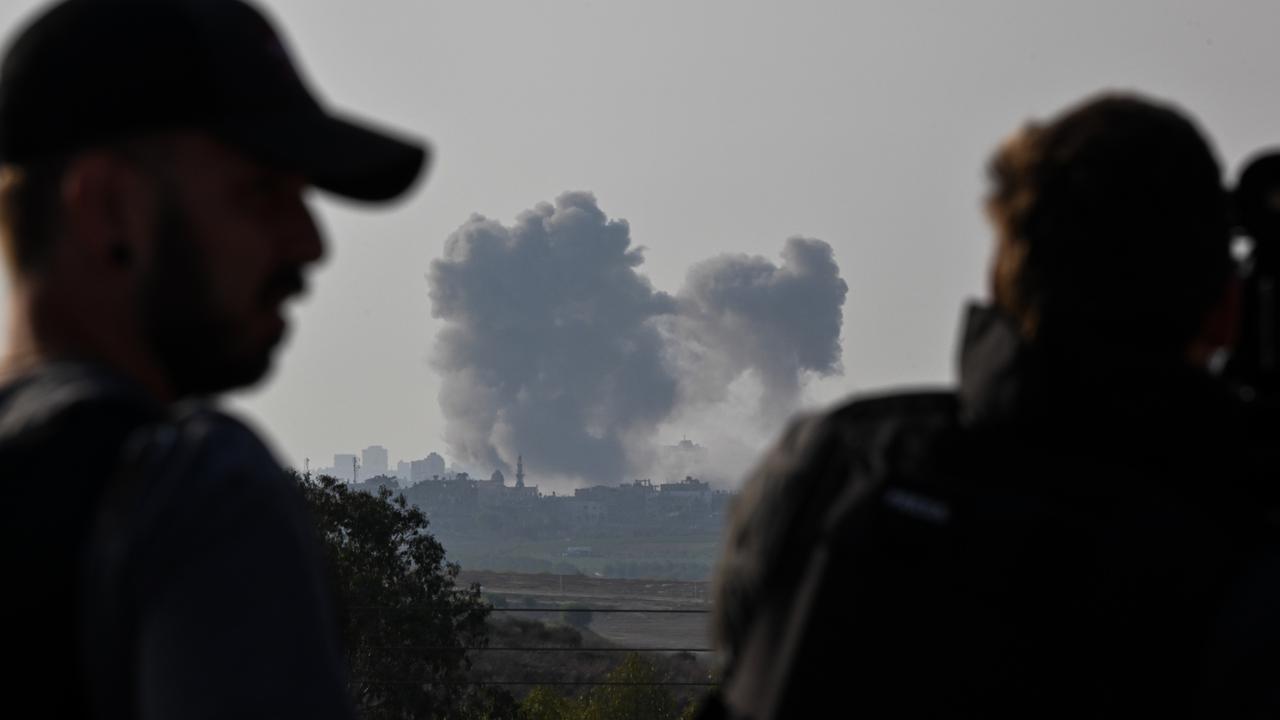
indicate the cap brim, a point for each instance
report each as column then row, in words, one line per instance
column 345, row 157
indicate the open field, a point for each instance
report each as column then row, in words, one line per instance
column 687, row 557
column 646, row 626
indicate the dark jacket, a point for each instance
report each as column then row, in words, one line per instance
column 159, row 563
column 1059, row 536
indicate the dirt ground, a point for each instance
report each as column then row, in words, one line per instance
column 545, row 596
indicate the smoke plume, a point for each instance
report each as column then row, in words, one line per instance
column 549, row 349
column 556, row 347
column 740, row 313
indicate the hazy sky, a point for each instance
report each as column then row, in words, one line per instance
column 711, row 127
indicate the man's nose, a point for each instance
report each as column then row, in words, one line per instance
column 303, row 241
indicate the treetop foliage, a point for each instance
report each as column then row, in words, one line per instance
column 407, row 624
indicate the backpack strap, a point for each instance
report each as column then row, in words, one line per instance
column 109, row 599
column 109, row 412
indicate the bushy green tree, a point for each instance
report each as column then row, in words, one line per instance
column 407, row 623
column 543, row 703
column 631, row 692
column 637, row 701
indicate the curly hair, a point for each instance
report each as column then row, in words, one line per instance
column 1113, row 226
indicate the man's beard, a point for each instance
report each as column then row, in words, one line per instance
column 199, row 347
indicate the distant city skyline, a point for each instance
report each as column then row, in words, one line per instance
column 685, row 459
column 638, row 528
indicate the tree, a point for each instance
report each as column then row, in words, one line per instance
column 631, row 692
column 543, row 703
column 407, row 623
column 639, row 700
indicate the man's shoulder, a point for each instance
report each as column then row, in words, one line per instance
column 204, row 459
column 787, row 500
column 825, row 443
column 222, row 441
column 57, row 397
column 822, row 454
column 67, row 405
column 203, row 491
column 907, row 406
column 69, row 423
column 865, row 422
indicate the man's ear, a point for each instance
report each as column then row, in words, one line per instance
column 106, row 209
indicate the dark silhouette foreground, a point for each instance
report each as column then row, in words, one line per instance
column 153, row 160
column 1077, row 529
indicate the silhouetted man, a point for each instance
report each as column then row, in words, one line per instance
column 154, row 156
column 1074, row 530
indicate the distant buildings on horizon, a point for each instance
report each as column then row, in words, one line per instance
column 640, row 528
column 461, row 506
column 375, row 461
column 682, row 460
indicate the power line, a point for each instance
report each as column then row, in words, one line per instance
column 414, row 648
column 661, row 611
column 619, row 683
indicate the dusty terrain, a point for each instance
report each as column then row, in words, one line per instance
column 646, row 625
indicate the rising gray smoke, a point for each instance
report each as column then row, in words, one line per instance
column 741, row 313
column 548, row 348
column 556, row 348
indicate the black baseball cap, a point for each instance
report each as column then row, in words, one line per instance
column 90, row 72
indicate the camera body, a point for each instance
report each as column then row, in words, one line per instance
column 1254, row 366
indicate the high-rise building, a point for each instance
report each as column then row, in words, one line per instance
column 416, row 471
column 344, row 466
column 435, row 464
column 419, row 471
column 373, row 461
